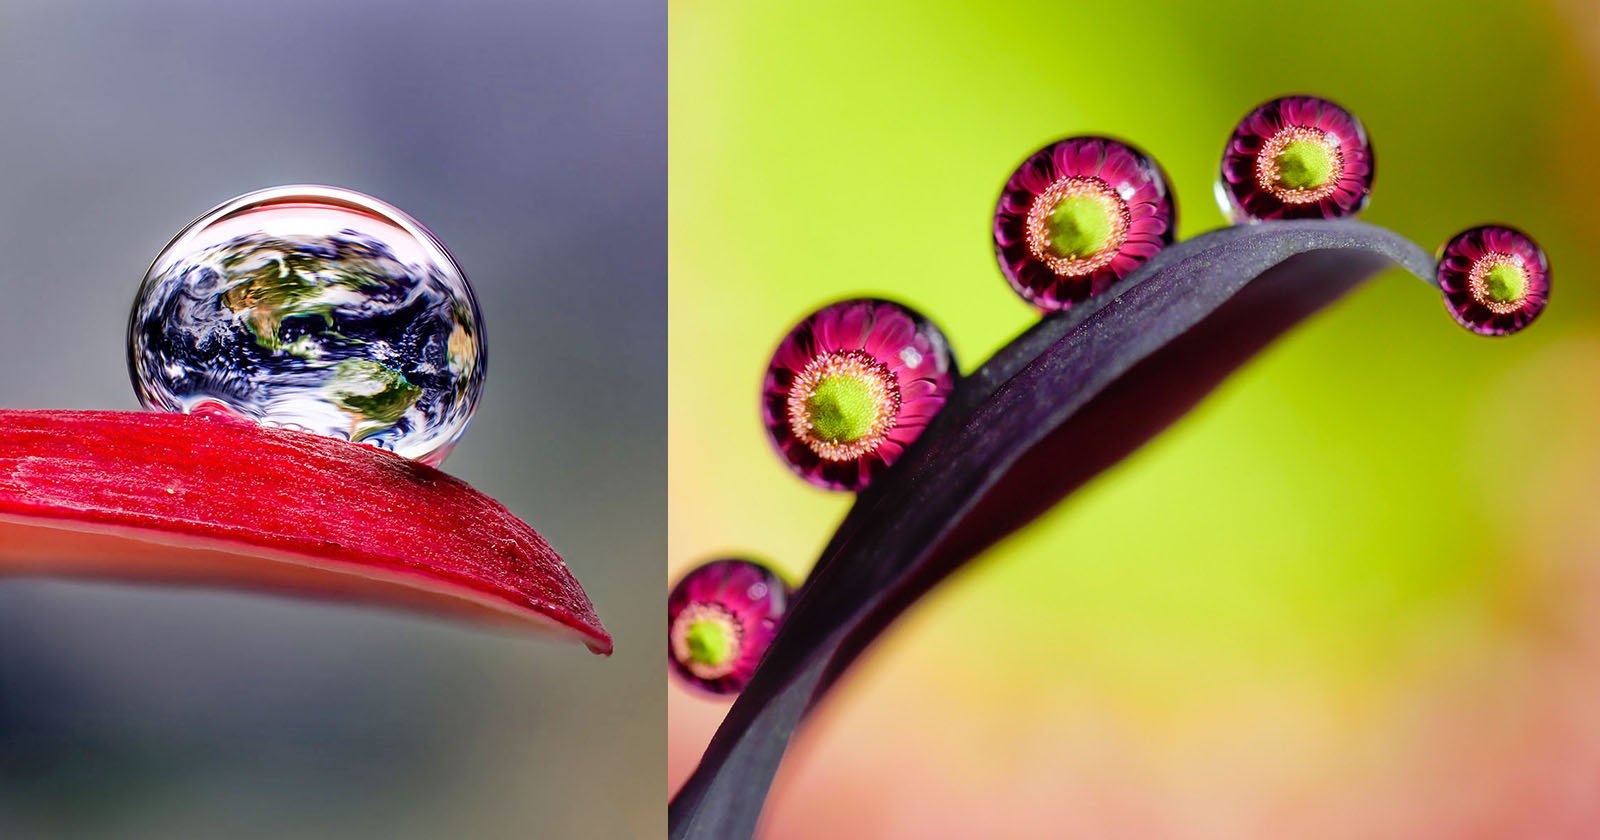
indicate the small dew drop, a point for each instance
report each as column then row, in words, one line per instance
column 721, row 617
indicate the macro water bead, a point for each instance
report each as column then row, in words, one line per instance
column 721, row 618
column 851, row 386
column 1495, row 279
column 1077, row 216
column 1296, row 157
column 313, row 308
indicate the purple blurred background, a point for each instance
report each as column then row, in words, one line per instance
column 530, row 136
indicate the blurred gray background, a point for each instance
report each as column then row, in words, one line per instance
column 530, row 136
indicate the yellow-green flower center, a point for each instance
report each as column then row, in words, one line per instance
column 1077, row 226
column 1300, row 165
column 842, row 409
column 1304, row 165
column 1080, row 226
column 1505, row 284
column 709, row 642
column 706, row 640
column 843, row 404
column 1499, row 281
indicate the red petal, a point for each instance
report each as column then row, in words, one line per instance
column 202, row 500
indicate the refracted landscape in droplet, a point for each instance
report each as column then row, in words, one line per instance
column 326, row 311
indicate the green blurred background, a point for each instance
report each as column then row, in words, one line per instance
column 1348, row 596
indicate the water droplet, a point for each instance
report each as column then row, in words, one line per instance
column 721, row 618
column 851, row 386
column 1079, row 215
column 1296, row 157
column 1495, row 279
column 313, row 308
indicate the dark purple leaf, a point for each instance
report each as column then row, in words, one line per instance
column 1067, row 399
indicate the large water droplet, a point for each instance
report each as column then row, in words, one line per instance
column 314, row 308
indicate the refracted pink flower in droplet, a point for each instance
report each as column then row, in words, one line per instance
column 1077, row 216
column 851, row 386
column 1495, row 279
column 1296, row 157
column 720, row 619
